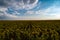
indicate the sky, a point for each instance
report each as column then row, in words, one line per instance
column 29, row 9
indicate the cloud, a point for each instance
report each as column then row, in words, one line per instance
column 13, row 6
column 5, row 3
column 2, row 3
column 15, row 9
column 46, row 14
column 23, row 4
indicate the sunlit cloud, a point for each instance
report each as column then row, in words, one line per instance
column 29, row 9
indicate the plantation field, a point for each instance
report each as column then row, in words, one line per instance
column 30, row 30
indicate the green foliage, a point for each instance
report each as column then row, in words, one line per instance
column 29, row 30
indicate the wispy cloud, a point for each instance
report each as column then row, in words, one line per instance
column 13, row 10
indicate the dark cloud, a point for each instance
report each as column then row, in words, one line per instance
column 5, row 17
column 4, row 3
column 31, row 1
